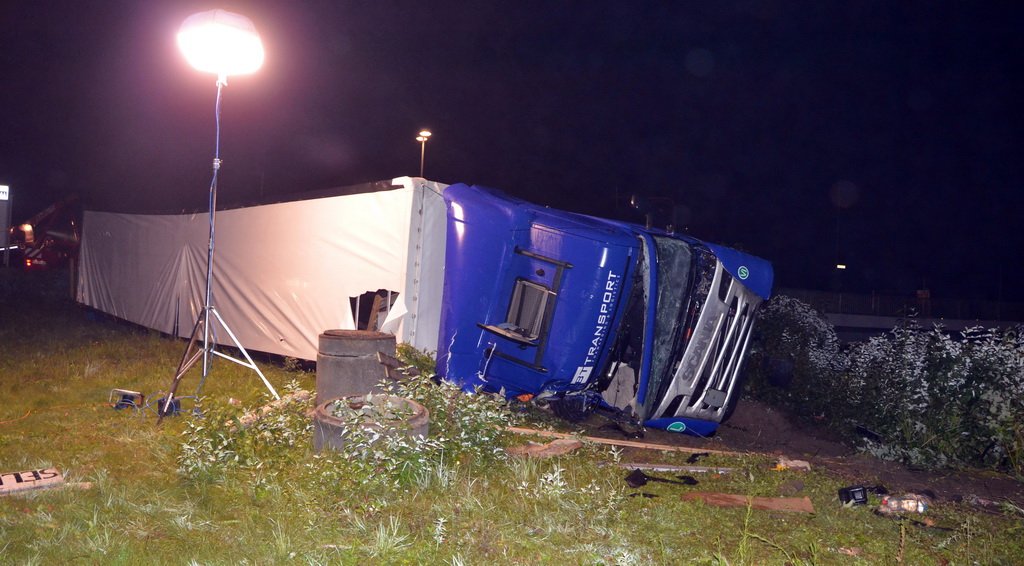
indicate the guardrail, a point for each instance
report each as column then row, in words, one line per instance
column 890, row 304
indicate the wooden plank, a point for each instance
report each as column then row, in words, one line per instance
column 14, row 482
column 557, row 447
column 791, row 504
column 625, row 443
column 252, row 417
column 393, row 367
column 674, row 468
column 375, row 309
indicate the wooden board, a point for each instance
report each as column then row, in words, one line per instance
column 674, row 468
column 794, row 504
column 254, row 416
column 557, row 447
column 394, row 368
column 13, row 482
column 375, row 308
column 626, row 443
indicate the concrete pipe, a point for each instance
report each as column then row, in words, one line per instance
column 346, row 362
column 328, row 430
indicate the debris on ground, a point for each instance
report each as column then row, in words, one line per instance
column 675, row 468
column 983, row 503
column 557, row 447
column 624, row 443
column 867, row 433
column 907, row 503
column 793, row 504
column 625, row 429
column 126, row 399
column 394, row 369
column 252, row 417
column 45, row 478
column 784, row 463
column 921, row 522
column 694, row 457
column 858, row 494
column 637, row 478
column 853, row 495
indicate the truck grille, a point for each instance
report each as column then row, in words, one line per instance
column 705, row 381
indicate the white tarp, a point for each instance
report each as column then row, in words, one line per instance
column 283, row 273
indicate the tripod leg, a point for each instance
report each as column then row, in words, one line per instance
column 248, row 359
column 188, row 359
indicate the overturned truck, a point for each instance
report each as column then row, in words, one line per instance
column 548, row 306
column 585, row 313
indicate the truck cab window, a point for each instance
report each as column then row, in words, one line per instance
column 527, row 308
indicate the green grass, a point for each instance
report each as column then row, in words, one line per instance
column 58, row 364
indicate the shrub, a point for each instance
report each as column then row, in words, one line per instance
column 464, row 428
column 217, row 442
column 795, row 360
column 908, row 387
column 997, row 367
column 466, row 425
column 927, row 398
column 937, row 401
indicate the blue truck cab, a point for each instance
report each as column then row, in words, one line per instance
column 585, row 313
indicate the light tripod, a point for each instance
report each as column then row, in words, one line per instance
column 204, row 324
column 220, row 42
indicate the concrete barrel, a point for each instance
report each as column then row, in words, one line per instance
column 328, row 429
column 346, row 362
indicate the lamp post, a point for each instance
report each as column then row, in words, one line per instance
column 5, row 221
column 223, row 43
column 423, row 136
column 838, row 284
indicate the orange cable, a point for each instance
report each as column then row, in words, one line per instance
column 29, row 412
column 17, row 419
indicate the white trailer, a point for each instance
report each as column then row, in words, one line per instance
column 283, row 272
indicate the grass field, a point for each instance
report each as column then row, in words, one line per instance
column 271, row 500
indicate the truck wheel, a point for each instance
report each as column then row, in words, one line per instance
column 573, row 409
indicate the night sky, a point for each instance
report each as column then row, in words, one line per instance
column 884, row 135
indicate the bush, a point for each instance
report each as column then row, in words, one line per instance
column 465, row 425
column 217, row 442
column 466, row 429
column 927, row 398
column 909, row 388
column 795, row 360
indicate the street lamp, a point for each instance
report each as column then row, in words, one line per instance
column 222, row 43
column 422, row 138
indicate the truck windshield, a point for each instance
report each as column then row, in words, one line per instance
column 673, row 265
column 684, row 275
column 678, row 303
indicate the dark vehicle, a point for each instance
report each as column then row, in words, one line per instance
column 50, row 238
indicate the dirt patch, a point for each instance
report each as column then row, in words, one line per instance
column 756, row 427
